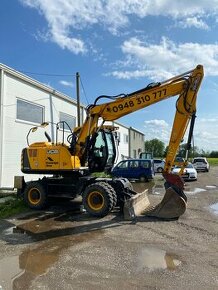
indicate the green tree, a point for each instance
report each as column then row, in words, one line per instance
column 155, row 146
column 214, row 154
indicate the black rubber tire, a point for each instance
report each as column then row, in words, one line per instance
column 99, row 199
column 159, row 169
column 143, row 178
column 35, row 195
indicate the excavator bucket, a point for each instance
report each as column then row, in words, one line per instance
column 172, row 206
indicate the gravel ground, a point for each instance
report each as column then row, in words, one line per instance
column 64, row 249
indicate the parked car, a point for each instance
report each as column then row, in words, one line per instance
column 190, row 173
column 201, row 164
column 159, row 165
column 141, row 169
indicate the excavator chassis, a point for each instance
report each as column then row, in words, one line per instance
column 101, row 195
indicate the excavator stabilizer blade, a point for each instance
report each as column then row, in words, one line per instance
column 172, row 206
column 136, row 205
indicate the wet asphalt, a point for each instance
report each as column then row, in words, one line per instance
column 64, row 248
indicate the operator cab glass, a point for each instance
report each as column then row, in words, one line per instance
column 102, row 151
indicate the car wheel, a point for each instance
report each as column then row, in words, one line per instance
column 143, row 178
column 159, row 169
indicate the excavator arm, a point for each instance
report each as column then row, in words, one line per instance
column 185, row 86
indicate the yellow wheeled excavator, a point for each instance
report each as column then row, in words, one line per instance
column 92, row 148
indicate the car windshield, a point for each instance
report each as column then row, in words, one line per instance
column 199, row 160
column 189, row 165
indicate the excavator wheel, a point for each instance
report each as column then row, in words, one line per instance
column 99, row 199
column 35, row 195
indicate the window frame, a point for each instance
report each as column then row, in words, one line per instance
column 33, row 104
column 66, row 127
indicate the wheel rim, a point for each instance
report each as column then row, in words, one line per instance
column 34, row 196
column 95, row 200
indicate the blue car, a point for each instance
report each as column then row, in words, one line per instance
column 141, row 169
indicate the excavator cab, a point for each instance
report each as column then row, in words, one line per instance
column 102, row 151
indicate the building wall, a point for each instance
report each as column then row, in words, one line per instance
column 136, row 142
column 123, row 144
column 14, row 131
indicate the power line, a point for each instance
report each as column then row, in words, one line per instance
column 84, row 91
column 48, row 74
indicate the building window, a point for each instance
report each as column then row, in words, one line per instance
column 134, row 153
column 126, row 138
column 70, row 120
column 30, row 112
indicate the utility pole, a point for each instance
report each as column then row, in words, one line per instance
column 78, row 98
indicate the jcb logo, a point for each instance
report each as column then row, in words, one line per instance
column 52, row 151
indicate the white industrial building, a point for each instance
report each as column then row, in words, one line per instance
column 26, row 103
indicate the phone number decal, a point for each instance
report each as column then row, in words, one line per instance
column 139, row 100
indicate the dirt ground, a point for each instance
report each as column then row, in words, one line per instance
column 62, row 248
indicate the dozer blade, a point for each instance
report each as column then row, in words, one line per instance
column 135, row 205
column 172, row 206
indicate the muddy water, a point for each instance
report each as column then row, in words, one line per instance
column 193, row 191
column 214, row 208
column 157, row 259
column 152, row 187
column 47, row 238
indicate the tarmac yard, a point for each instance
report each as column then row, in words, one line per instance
column 62, row 248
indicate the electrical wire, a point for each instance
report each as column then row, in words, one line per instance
column 84, row 92
column 48, row 74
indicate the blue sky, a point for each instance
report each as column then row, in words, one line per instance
column 118, row 46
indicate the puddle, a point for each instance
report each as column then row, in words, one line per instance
column 211, row 186
column 214, row 208
column 158, row 189
column 152, row 188
column 157, row 259
column 194, row 191
column 53, row 236
column 17, row 272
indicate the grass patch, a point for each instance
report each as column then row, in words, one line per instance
column 101, row 174
column 11, row 207
column 213, row 161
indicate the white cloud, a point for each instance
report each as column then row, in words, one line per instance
column 159, row 129
column 166, row 59
column 66, row 83
column 66, row 18
column 193, row 22
column 205, row 132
